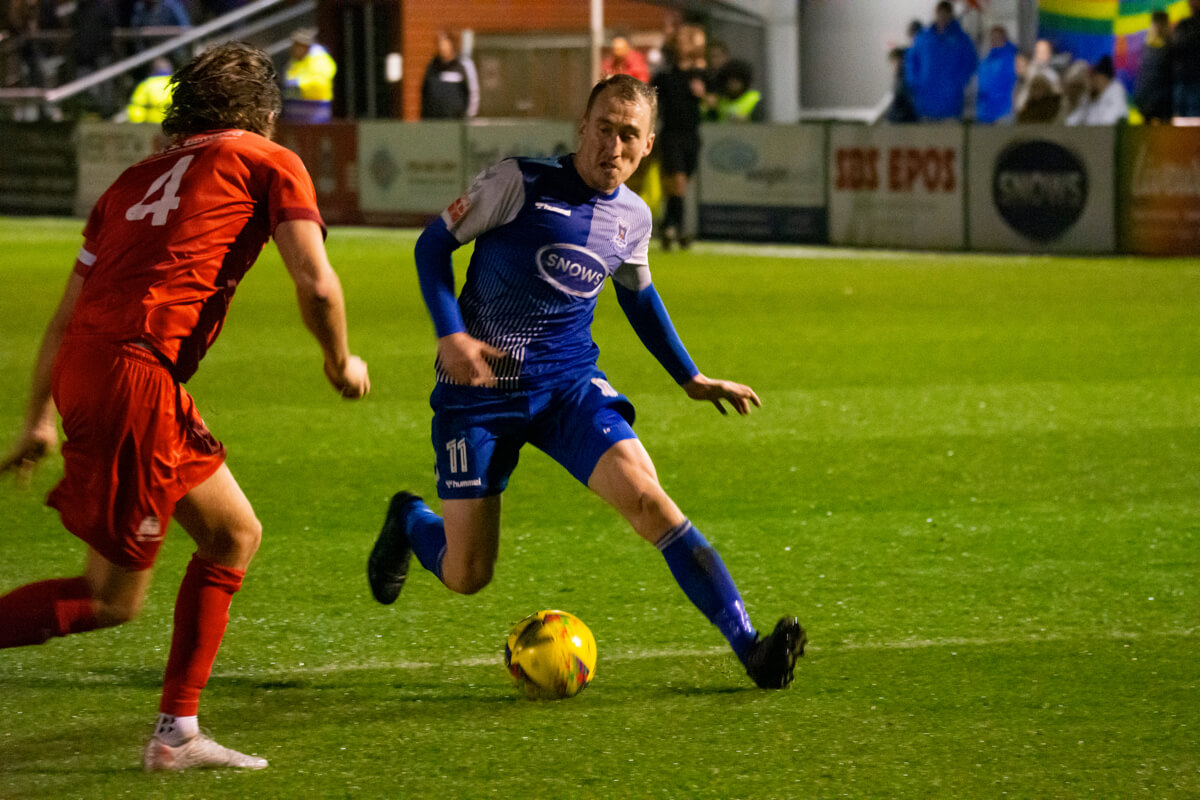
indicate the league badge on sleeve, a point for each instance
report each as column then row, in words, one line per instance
column 458, row 209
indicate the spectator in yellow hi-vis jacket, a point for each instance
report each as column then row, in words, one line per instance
column 152, row 96
column 308, row 80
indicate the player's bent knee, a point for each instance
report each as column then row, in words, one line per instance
column 472, row 583
column 112, row 614
column 250, row 535
column 246, row 540
column 469, row 580
column 237, row 544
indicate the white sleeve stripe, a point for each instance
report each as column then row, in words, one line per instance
column 86, row 258
column 632, row 276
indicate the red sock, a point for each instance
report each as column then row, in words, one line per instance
column 201, row 614
column 36, row 612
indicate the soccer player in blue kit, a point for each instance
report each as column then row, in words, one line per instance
column 516, row 363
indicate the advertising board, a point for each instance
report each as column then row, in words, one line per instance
column 1159, row 187
column 1041, row 188
column 491, row 141
column 103, row 150
column 896, row 186
column 409, row 168
column 330, row 152
column 763, row 183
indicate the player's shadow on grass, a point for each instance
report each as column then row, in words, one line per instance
column 481, row 695
column 105, row 748
column 304, row 692
column 94, row 678
column 289, row 691
column 702, row 691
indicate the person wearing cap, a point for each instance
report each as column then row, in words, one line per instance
column 1107, row 102
column 308, row 80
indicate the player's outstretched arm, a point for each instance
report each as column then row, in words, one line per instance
column 322, row 305
column 39, row 436
column 739, row 397
column 648, row 316
column 646, row 313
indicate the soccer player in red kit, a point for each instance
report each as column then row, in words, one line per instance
column 164, row 249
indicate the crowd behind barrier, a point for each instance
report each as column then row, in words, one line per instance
column 981, row 185
column 695, row 79
column 1036, row 188
column 939, row 73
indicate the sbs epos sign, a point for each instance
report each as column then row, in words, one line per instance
column 1040, row 188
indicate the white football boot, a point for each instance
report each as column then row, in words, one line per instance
column 199, row 752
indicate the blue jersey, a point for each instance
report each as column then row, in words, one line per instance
column 544, row 244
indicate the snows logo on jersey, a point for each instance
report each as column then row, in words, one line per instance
column 571, row 269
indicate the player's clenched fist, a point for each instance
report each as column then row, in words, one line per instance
column 33, row 446
column 352, row 381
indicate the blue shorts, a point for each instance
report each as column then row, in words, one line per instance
column 478, row 432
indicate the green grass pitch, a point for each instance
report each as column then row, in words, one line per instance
column 976, row 479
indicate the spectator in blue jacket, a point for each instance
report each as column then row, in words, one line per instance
column 159, row 14
column 997, row 78
column 939, row 66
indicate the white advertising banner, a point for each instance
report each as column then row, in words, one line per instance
column 409, row 167
column 104, row 150
column 896, row 186
column 489, row 142
column 1042, row 188
column 763, row 182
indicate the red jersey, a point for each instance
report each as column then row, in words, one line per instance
column 166, row 245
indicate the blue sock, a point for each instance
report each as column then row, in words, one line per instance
column 703, row 577
column 427, row 535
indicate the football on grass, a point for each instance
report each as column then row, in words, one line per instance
column 550, row 655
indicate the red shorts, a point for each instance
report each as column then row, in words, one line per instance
column 135, row 445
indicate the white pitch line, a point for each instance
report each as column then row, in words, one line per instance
column 802, row 251
column 280, row 671
column 711, row 652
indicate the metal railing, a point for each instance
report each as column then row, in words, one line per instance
column 253, row 19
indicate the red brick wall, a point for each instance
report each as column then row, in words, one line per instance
column 420, row 22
